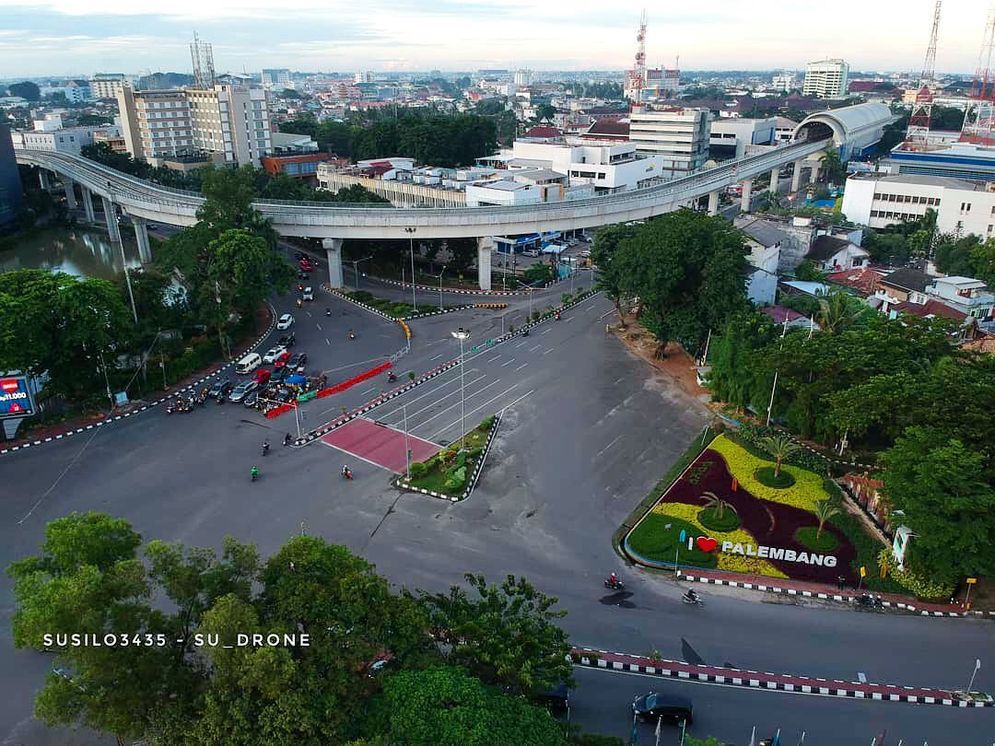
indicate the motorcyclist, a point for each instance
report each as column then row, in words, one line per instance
column 328, row 311
column 691, row 595
column 254, row 473
column 352, row 334
column 346, row 471
column 557, row 315
column 391, row 377
column 265, row 447
column 613, row 580
column 287, row 439
column 525, row 333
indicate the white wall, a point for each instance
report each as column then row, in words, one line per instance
column 477, row 194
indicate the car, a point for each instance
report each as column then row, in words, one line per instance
column 285, row 322
column 287, row 340
column 308, row 293
column 282, row 359
column 273, row 353
column 279, row 374
column 298, row 360
column 251, row 398
column 305, row 265
column 670, row 707
column 262, row 376
column 220, row 388
column 242, row 390
column 302, row 275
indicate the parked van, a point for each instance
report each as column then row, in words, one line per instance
column 248, row 363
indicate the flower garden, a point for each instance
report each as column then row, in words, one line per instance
column 724, row 512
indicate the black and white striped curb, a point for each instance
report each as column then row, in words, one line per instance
column 763, row 587
column 144, row 407
column 344, row 296
column 663, row 668
column 448, row 309
column 457, row 291
column 401, row 483
column 328, row 427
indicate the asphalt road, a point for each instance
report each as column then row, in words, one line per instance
column 592, row 435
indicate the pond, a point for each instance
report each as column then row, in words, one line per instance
column 82, row 252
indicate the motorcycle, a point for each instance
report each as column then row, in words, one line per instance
column 328, row 311
column 868, row 601
column 614, row 584
column 391, row 378
column 557, row 316
column 525, row 333
column 692, row 600
column 254, row 474
column 347, row 473
column 265, row 447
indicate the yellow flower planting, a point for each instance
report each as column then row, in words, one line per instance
column 804, row 493
column 729, row 562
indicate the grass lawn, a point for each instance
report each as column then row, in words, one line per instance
column 653, row 541
column 434, row 479
column 396, row 309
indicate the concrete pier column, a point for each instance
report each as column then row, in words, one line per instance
column 796, row 177
column 110, row 217
column 142, row 236
column 43, row 179
column 744, row 202
column 485, row 245
column 88, row 204
column 713, row 203
column 775, row 175
column 814, row 175
column 333, row 252
column 70, row 186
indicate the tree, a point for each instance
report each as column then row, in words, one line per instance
column 462, row 253
column 953, row 254
column 545, row 112
column 809, row 271
column 936, row 481
column 228, row 199
column 357, row 194
column 506, row 635
column 824, row 511
column 716, row 504
column 689, row 271
column 839, row 311
column 983, row 262
column 538, row 273
column 448, row 707
column 93, row 120
column 779, row 447
column 832, row 167
column 26, row 90
column 609, row 278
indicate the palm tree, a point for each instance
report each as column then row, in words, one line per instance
column 824, row 511
column 832, row 166
column 779, row 447
column 837, row 312
column 717, row 504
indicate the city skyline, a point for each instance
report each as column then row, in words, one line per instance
column 57, row 37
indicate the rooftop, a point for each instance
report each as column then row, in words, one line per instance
column 961, row 282
column 863, row 280
column 908, row 278
column 824, row 247
column 503, row 185
column 782, row 314
column 930, row 309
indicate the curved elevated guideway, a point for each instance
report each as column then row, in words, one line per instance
column 142, row 200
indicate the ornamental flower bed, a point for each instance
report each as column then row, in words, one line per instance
column 764, row 543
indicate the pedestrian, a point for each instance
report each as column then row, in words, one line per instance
column 841, row 582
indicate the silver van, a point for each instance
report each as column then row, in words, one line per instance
column 248, row 363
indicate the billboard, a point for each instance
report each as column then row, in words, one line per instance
column 15, row 397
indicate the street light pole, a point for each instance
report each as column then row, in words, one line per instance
column 355, row 269
column 462, row 335
column 407, row 450
column 411, row 244
column 440, row 285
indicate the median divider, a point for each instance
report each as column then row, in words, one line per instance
column 490, row 305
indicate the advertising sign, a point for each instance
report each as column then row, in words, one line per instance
column 15, row 397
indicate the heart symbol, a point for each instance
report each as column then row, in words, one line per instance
column 706, row 543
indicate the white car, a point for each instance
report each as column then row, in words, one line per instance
column 285, row 322
column 273, row 353
column 308, row 293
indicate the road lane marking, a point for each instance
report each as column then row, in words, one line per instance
column 571, row 318
column 58, row 479
column 437, row 357
column 517, row 400
column 505, row 365
column 614, row 441
column 327, row 342
column 520, row 344
column 533, row 349
column 495, row 358
column 455, row 404
column 457, row 422
column 618, row 380
column 523, row 365
column 372, row 388
column 317, row 325
column 548, row 330
column 607, row 313
column 549, row 350
column 432, row 403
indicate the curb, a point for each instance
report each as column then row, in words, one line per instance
column 461, row 291
column 150, row 405
column 471, row 482
column 764, row 588
column 593, row 658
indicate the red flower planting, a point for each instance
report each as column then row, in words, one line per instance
column 771, row 524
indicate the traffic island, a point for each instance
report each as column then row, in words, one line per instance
column 454, row 471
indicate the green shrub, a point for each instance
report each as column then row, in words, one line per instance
column 475, row 452
column 765, row 475
column 486, row 424
column 460, row 460
column 363, row 296
column 536, row 315
column 411, row 375
column 806, row 536
column 418, row 469
column 928, row 590
column 728, row 522
column 565, row 298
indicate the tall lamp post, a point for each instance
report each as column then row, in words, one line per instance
column 407, row 448
column 355, row 269
column 411, row 245
column 462, row 335
column 440, row 284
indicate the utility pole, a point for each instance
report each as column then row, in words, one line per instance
column 411, row 244
column 462, row 335
column 407, row 448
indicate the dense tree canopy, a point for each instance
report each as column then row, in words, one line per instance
column 370, row 670
column 26, row 90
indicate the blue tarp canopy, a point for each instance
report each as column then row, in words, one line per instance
column 296, row 378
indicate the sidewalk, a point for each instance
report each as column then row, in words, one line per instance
column 824, row 592
column 85, row 423
column 611, row 661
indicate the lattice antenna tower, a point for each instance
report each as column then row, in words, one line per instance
column 979, row 118
column 636, row 77
column 202, row 56
column 922, row 109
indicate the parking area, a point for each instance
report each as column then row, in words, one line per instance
column 379, row 444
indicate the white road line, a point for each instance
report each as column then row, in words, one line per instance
column 456, row 404
column 533, row 349
column 618, row 380
column 548, row 330
column 327, row 342
column 505, row 365
column 523, row 365
column 506, row 406
column 318, row 325
column 616, row 440
column 433, row 403
column 356, row 455
column 520, row 344
column 369, row 390
column 431, row 391
column 437, row 357
column 514, row 385
column 607, row 313
column 62, row 474
column 549, row 350
column 495, row 358
column 571, row 318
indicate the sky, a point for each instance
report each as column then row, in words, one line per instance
column 80, row 37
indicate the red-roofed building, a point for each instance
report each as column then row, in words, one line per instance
column 544, row 132
column 930, row 309
column 862, row 280
column 795, row 320
column 304, row 166
column 608, row 129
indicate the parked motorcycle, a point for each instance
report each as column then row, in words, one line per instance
column 868, row 601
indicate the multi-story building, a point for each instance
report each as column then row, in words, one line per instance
column 826, row 79
column 523, row 77
column 960, row 160
column 106, row 85
column 784, row 82
column 10, row 179
column 69, row 140
column 278, row 78
column 784, row 130
column 227, row 120
column 730, row 136
column 964, row 294
column 679, row 137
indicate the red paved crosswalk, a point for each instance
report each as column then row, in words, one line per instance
column 379, row 444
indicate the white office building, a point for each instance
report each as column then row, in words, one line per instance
column 784, row 82
column 106, row 85
column 523, row 77
column 826, row 79
column 278, row 78
column 69, row 140
column 732, row 135
column 678, row 137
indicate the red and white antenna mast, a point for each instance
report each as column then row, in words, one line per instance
column 637, row 75
column 922, row 109
column 979, row 118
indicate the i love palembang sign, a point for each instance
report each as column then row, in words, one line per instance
column 708, row 544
